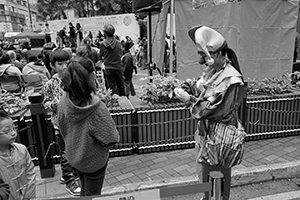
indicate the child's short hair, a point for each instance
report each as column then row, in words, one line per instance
column 3, row 115
column 32, row 58
column 4, row 59
column 59, row 55
column 40, row 56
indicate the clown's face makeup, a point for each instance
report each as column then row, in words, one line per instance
column 204, row 59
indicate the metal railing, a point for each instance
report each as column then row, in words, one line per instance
column 161, row 128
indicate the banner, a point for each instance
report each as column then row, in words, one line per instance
column 125, row 25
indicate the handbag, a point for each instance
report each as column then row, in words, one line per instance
column 223, row 145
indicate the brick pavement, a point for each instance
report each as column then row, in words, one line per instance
column 170, row 164
column 175, row 164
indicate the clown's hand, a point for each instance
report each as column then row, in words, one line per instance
column 181, row 94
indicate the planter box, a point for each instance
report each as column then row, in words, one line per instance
column 122, row 116
column 273, row 116
column 148, row 128
column 161, row 127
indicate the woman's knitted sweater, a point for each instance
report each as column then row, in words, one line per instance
column 88, row 132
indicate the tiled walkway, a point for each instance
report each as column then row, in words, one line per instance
column 163, row 165
column 173, row 164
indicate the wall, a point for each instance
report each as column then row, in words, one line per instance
column 262, row 33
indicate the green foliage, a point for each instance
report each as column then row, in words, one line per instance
column 13, row 103
column 276, row 85
column 52, row 9
column 55, row 9
column 161, row 89
column 110, row 99
column 296, row 78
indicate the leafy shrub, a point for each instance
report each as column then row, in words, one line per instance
column 13, row 103
column 110, row 99
column 287, row 83
column 161, row 89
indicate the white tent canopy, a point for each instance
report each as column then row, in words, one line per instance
column 10, row 34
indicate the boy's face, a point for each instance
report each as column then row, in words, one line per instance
column 61, row 66
column 8, row 133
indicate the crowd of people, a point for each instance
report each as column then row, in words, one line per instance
column 84, row 128
column 70, row 89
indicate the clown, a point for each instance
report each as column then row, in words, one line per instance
column 215, row 98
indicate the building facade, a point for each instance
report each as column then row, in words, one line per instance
column 16, row 15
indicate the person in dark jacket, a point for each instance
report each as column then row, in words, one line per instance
column 72, row 34
column 79, row 34
column 110, row 55
column 61, row 36
column 129, row 67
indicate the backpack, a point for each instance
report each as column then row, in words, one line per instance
column 4, row 71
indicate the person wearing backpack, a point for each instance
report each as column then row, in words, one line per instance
column 36, row 67
column 215, row 98
column 7, row 68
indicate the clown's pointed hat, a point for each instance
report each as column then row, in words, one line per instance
column 207, row 40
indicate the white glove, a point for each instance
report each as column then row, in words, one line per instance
column 181, row 94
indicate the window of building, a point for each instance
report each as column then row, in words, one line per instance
column 14, row 19
column 2, row 18
column 2, row 7
column 24, row 3
column 19, row 1
column 22, row 21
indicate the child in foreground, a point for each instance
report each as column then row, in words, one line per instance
column 16, row 166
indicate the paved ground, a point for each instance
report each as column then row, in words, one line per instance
column 175, row 164
column 179, row 164
column 158, row 166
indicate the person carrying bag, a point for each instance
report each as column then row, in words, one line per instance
column 215, row 98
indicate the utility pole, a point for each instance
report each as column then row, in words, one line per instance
column 29, row 11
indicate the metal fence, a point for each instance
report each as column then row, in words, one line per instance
column 269, row 117
column 170, row 126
